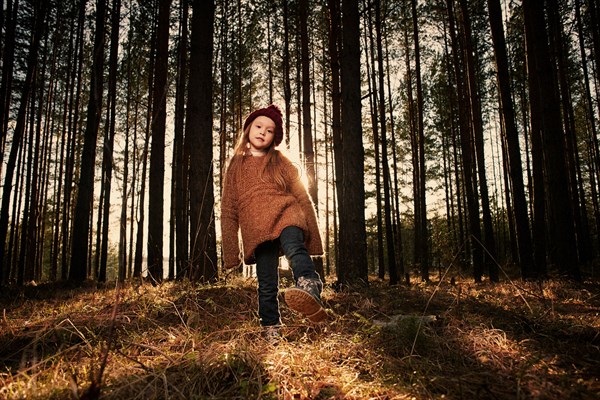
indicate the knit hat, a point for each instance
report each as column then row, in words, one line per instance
column 272, row 112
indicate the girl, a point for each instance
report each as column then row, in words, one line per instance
column 264, row 198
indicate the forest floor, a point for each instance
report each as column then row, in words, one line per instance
column 513, row 340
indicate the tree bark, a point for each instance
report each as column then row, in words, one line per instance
column 32, row 64
column 372, row 85
column 389, row 233
column 109, row 138
column 511, row 139
column 334, row 48
column 181, row 161
column 309, row 153
column 352, row 221
column 81, row 219
column 199, row 133
column 421, row 246
column 8, row 59
column 157, row 154
column 562, row 233
column 139, row 242
column 477, row 133
column 578, row 198
column 469, row 177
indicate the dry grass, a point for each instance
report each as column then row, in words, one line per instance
column 185, row 341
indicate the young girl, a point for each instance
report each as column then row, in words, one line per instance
column 264, row 198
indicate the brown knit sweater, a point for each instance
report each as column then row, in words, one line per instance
column 261, row 210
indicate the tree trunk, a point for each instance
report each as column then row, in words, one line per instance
column 309, row 154
column 477, row 132
column 11, row 256
column 8, row 59
column 562, row 233
column 511, row 138
column 389, row 233
column 157, row 154
column 122, row 271
column 181, row 162
column 32, row 62
column 81, row 221
column 593, row 132
column 353, row 249
column 109, row 138
column 558, row 49
column 469, row 177
column 414, row 151
column 399, row 248
column 139, row 242
column 371, row 79
column 334, row 47
column 287, row 89
column 26, row 227
column 423, row 240
column 199, row 134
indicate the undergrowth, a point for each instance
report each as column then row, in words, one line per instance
column 182, row 340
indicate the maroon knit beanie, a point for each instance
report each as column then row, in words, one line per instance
column 272, row 112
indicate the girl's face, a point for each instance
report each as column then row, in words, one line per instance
column 262, row 133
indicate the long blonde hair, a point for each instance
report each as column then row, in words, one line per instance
column 272, row 171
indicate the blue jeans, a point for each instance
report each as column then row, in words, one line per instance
column 291, row 241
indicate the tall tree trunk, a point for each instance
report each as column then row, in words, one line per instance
column 11, row 254
column 328, row 175
column 372, row 82
column 477, row 132
column 422, row 245
column 562, row 232
column 81, row 221
column 26, row 227
column 334, row 48
column 460, row 236
column 59, row 176
column 181, row 162
column 595, row 30
column 109, row 138
column 270, row 10
column 287, row 89
column 389, row 233
column 515, row 170
column 593, row 132
column 309, row 154
column 397, row 222
column 74, row 101
column 224, row 135
column 353, row 236
column 469, row 177
column 139, row 242
column 558, row 50
column 8, row 59
column 32, row 63
column 122, row 271
column 157, row 154
column 537, row 174
column 199, row 133
column 453, row 200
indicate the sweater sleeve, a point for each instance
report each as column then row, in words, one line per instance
column 230, row 225
column 298, row 189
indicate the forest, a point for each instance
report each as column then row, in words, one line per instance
column 450, row 149
column 429, row 133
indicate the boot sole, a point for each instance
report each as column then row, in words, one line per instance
column 302, row 302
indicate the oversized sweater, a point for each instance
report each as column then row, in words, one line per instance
column 260, row 210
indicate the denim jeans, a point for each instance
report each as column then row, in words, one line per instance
column 291, row 241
